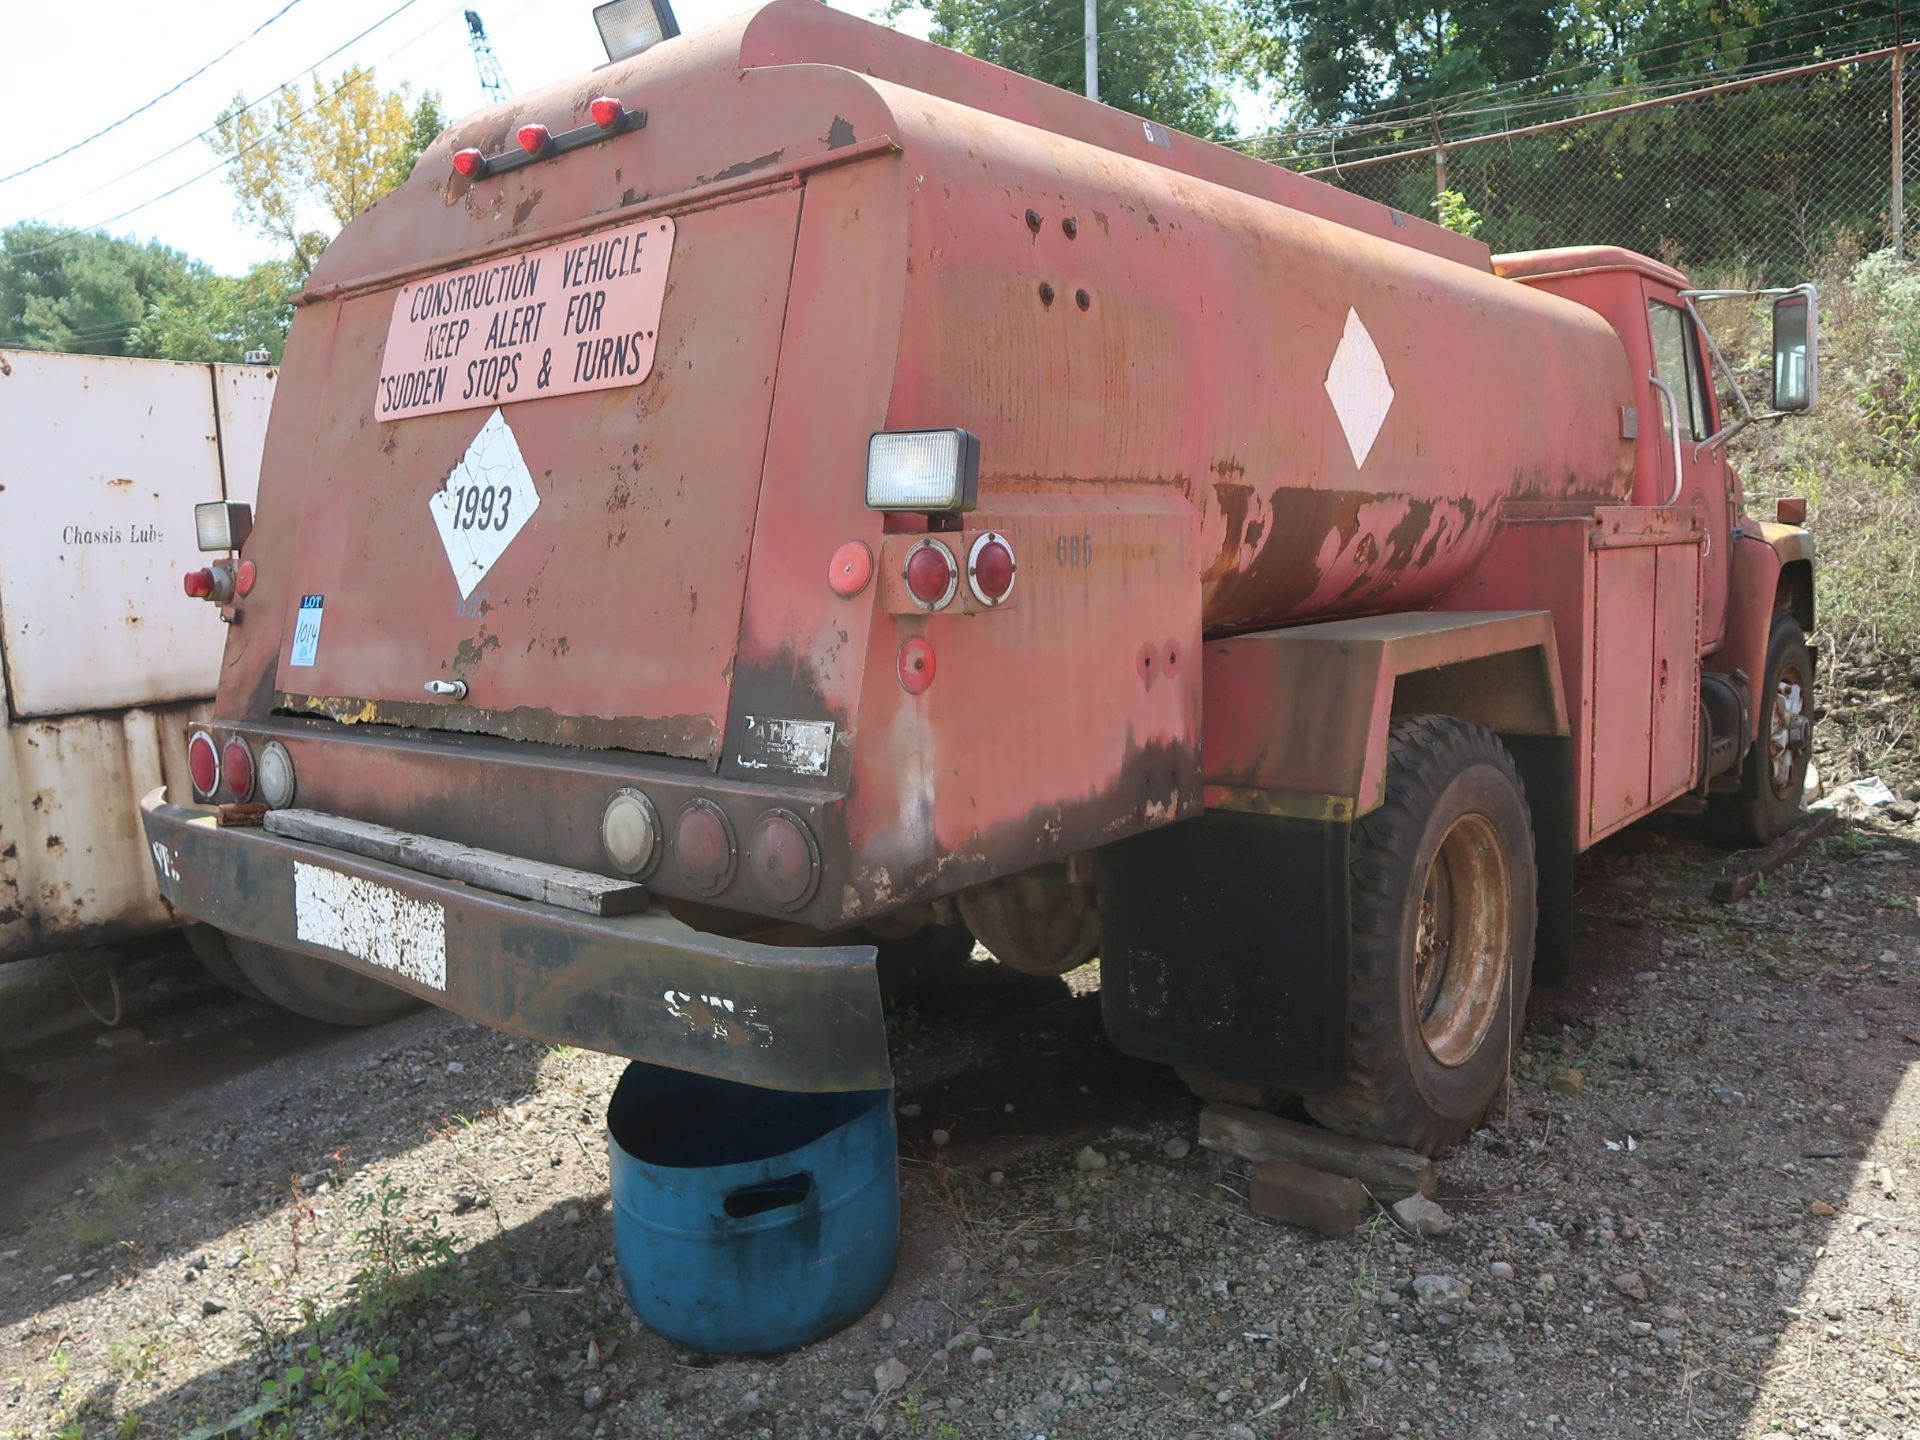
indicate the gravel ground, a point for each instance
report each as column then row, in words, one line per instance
column 1695, row 1215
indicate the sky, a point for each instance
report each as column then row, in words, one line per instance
column 68, row 69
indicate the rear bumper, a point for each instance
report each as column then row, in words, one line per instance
column 644, row 986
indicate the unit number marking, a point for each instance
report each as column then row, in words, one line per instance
column 1073, row 551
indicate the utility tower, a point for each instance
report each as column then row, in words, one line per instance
column 492, row 79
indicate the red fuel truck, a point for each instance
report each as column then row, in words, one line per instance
column 802, row 484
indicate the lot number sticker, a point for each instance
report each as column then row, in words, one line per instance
column 306, row 630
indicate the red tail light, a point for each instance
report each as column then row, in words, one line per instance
column 199, row 584
column 607, row 112
column 203, row 764
column 1791, row 509
column 533, row 139
column 703, row 844
column 469, row 164
column 236, row 768
column 932, row 576
column 991, row 568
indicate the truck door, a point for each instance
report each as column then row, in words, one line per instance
column 1702, row 480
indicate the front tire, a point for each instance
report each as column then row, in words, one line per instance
column 314, row 988
column 1773, row 778
column 1443, row 907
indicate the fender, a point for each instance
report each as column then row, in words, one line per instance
column 1294, row 722
column 1771, row 569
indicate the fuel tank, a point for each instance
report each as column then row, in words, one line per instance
column 1344, row 410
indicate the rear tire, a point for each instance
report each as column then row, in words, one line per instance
column 209, row 947
column 1773, row 778
column 314, row 988
column 1443, row 906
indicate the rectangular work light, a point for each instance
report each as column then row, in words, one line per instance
column 932, row 471
column 221, row 524
column 629, row 26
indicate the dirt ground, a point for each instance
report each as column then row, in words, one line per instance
column 1696, row 1215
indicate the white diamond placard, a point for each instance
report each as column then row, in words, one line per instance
column 484, row 502
column 1358, row 386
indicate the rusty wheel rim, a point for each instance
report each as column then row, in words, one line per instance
column 1462, row 943
column 1788, row 732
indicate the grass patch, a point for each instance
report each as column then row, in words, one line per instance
column 120, row 1191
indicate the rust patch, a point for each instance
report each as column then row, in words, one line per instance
column 840, row 133
column 468, row 655
column 693, row 737
column 1156, row 783
column 744, row 167
column 525, row 208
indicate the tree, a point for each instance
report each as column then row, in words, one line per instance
column 1345, row 59
column 63, row 289
column 1167, row 60
column 333, row 153
column 223, row 317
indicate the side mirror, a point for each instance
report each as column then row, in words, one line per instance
column 1796, row 350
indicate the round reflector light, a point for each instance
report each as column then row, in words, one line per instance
column 203, row 764
column 199, row 584
column 533, row 139
column 469, row 164
column 991, row 569
column 931, row 574
column 916, row 665
column 703, row 844
column 236, row 768
column 630, row 829
column 607, row 112
column 850, row 569
column 783, row 860
column 276, row 775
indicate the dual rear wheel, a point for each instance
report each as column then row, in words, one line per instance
column 1441, row 957
column 314, row 988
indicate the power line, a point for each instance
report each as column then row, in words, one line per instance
column 173, row 150
column 1377, row 120
column 107, row 129
column 212, row 169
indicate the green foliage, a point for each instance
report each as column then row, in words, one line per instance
column 403, row 1258
column 332, row 152
column 344, row 1390
column 1173, row 61
column 1348, row 58
column 1856, row 457
column 423, row 128
column 1456, row 214
column 223, row 317
column 63, row 289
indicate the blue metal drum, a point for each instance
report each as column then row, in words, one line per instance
column 748, row 1221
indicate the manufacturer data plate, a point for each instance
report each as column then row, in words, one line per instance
column 566, row 318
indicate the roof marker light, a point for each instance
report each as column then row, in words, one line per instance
column 607, row 112
column 534, row 139
column 469, row 164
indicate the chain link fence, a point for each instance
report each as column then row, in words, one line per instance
column 1769, row 177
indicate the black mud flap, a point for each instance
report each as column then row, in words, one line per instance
column 1223, row 947
column 1546, row 770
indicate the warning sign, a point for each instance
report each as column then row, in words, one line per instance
column 580, row 315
